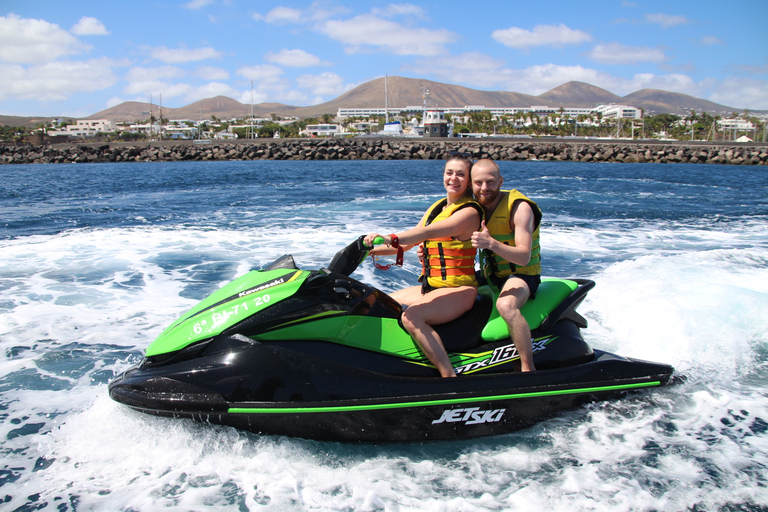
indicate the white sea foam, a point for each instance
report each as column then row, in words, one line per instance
column 704, row 312
column 80, row 306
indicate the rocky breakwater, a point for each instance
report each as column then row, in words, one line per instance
column 391, row 149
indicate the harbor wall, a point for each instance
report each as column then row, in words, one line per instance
column 581, row 150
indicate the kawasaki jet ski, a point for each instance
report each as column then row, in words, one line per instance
column 316, row 354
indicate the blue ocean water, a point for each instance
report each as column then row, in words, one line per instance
column 96, row 259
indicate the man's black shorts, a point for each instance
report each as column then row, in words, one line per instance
column 533, row 283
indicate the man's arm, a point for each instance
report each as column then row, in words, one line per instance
column 521, row 221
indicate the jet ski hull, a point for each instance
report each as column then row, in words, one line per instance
column 317, row 399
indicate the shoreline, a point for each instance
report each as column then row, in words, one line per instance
column 573, row 150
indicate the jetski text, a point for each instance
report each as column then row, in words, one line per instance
column 470, row 416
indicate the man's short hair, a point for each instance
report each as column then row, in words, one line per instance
column 488, row 161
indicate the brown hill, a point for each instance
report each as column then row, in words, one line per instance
column 27, row 122
column 404, row 92
column 223, row 107
column 129, row 111
column 655, row 101
column 578, row 94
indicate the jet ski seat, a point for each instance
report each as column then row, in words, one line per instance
column 463, row 333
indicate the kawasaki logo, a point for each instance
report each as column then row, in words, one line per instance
column 269, row 284
column 470, row 416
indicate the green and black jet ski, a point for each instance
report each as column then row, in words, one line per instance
column 316, row 354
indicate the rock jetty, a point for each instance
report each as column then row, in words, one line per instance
column 582, row 150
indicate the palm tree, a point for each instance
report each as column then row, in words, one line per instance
column 535, row 121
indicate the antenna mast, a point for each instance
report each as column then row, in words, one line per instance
column 386, row 101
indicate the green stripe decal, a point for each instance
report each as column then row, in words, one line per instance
column 370, row 407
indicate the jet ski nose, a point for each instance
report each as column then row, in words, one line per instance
column 163, row 395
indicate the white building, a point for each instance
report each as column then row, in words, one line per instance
column 321, row 130
column 735, row 124
column 540, row 111
column 619, row 112
column 85, row 128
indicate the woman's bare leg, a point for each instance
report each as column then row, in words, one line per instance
column 438, row 306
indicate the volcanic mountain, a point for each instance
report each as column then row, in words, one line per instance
column 406, row 92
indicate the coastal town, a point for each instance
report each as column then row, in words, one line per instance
column 602, row 121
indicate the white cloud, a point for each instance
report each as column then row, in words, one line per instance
column 281, row 93
column 88, row 26
column 198, row 4
column 142, row 74
column 541, row 35
column 287, row 15
column 325, row 84
column 281, row 15
column 752, row 69
column 55, row 81
column 484, row 72
column 473, row 62
column 741, row 93
column 256, row 96
column 114, row 101
column 179, row 55
column 263, row 73
column 672, row 82
column 293, row 58
column 209, row 90
column 539, row 79
column 393, row 10
column 666, row 20
column 475, row 68
column 616, row 53
column 212, row 73
column 270, row 84
column 710, row 40
column 367, row 31
column 31, row 41
column 157, row 88
column 156, row 81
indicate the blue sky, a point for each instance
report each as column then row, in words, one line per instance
column 77, row 58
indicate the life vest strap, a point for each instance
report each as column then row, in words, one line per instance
column 451, row 271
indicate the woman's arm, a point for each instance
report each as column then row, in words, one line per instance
column 460, row 225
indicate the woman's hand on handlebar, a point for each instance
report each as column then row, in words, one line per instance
column 376, row 239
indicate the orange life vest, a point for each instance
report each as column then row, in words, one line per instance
column 449, row 262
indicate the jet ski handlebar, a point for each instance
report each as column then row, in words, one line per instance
column 376, row 241
column 349, row 258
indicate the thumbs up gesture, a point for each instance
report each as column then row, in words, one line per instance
column 482, row 239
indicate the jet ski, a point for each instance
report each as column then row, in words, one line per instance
column 317, row 354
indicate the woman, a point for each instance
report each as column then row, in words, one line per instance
column 449, row 286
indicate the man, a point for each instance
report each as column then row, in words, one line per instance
column 509, row 244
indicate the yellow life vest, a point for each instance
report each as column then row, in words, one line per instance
column 499, row 227
column 449, row 262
